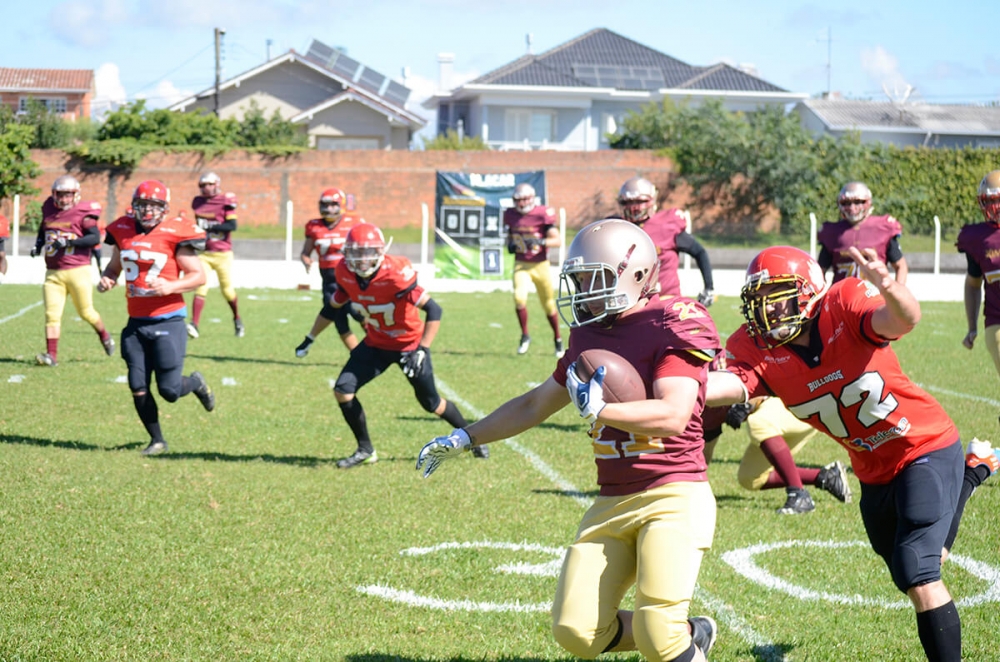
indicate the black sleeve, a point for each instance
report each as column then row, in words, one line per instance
column 893, row 253
column 433, row 310
column 227, row 226
column 688, row 244
column 91, row 237
column 972, row 267
column 40, row 237
column 825, row 258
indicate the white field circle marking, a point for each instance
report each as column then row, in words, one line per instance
column 546, row 569
column 742, row 561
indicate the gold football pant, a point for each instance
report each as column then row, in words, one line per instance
column 991, row 337
column 222, row 263
column 771, row 419
column 78, row 283
column 539, row 273
column 653, row 539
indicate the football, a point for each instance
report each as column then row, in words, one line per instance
column 622, row 382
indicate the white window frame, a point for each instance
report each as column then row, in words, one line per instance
column 521, row 123
column 53, row 104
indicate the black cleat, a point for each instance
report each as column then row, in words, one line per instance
column 522, row 347
column 203, row 391
column 358, row 457
column 797, row 503
column 833, row 479
column 482, row 452
column 303, row 349
column 155, row 448
column 703, row 632
column 559, row 349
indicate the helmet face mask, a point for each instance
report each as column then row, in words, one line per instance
column 637, row 199
column 855, row 202
column 783, row 289
column 150, row 203
column 364, row 250
column 331, row 205
column 610, row 266
column 989, row 197
column 65, row 192
column 524, row 198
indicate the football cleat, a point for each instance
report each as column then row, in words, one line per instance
column 559, row 348
column 46, row 359
column 238, row 326
column 797, row 503
column 703, row 632
column 109, row 346
column 525, row 343
column 192, row 330
column 833, row 479
column 303, row 349
column 358, row 457
column 981, row 454
column 203, row 391
column 155, row 448
column 482, row 452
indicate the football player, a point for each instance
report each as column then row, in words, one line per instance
column 160, row 264
column 4, row 236
column 531, row 232
column 384, row 287
column 655, row 517
column 668, row 230
column 66, row 237
column 858, row 228
column 326, row 235
column 215, row 213
column 825, row 351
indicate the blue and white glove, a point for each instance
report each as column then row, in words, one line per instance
column 440, row 449
column 588, row 397
column 706, row 297
column 413, row 362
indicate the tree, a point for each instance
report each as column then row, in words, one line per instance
column 17, row 169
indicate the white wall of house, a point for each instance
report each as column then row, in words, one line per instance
column 352, row 125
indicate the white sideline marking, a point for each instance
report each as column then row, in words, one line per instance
column 121, row 379
column 738, row 624
column 301, row 297
column 956, row 394
column 496, row 325
column 20, row 312
column 412, row 599
column 228, row 381
column 15, row 379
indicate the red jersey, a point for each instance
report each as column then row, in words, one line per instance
column 873, row 232
column 4, row 227
column 981, row 243
column 388, row 303
column 855, row 390
column 670, row 336
column 70, row 224
column 535, row 224
column 330, row 240
column 152, row 255
column 213, row 211
column 663, row 228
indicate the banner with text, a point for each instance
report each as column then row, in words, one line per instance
column 470, row 240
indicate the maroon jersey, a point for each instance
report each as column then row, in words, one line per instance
column 212, row 211
column 388, row 302
column 329, row 241
column 533, row 225
column 854, row 391
column 663, row 228
column 152, row 255
column 873, row 232
column 69, row 224
column 981, row 242
column 671, row 336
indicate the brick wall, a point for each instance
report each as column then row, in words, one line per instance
column 389, row 185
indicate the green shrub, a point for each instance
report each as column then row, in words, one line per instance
column 451, row 141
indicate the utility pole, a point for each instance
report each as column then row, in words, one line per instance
column 829, row 60
column 218, row 66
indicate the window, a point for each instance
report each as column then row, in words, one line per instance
column 610, row 125
column 52, row 104
column 535, row 126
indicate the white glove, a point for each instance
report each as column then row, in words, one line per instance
column 413, row 362
column 440, row 449
column 588, row 397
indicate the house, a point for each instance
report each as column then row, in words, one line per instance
column 903, row 124
column 68, row 92
column 339, row 102
column 572, row 96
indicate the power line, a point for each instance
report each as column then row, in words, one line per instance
column 180, row 66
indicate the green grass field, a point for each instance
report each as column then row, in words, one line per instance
column 245, row 542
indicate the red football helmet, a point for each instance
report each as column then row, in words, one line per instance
column 989, row 196
column 150, row 203
column 364, row 249
column 66, row 184
column 524, row 197
column 210, row 184
column 776, row 315
column 855, row 202
column 332, row 202
column 637, row 199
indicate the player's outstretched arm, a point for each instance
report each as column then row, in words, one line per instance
column 901, row 311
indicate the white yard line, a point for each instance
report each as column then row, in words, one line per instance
column 20, row 312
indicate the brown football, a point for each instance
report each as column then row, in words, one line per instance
column 622, row 382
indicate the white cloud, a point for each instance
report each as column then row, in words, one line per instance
column 110, row 93
column 424, row 88
column 883, row 68
column 87, row 22
column 165, row 94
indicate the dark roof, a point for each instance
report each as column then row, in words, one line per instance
column 602, row 58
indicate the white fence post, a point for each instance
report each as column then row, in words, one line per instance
column 424, row 233
column 812, row 234
column 937, row 245
column 562, row 236
column 288, row 230
column 17, row 225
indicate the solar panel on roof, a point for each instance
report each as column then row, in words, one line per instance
column 345, row 66
column 371, row 80
column 396, row 93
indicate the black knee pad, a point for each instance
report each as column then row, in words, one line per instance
column 347, row 383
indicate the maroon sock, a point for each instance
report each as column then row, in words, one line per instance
column 196, row 307
column 52, row 347
column 554, row 323
column 808, row 476
column 235, row 308
column 103, row 334
column 522, row 317
column 776, row 451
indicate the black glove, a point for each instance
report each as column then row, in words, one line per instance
column 413, row 362
column 59, row 243
column 706, row 297
column 511, row 247
column 35, row 251
column 737, row 414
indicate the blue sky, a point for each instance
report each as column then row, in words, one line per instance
column 163, row 50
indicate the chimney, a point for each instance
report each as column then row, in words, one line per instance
column 528, row 38
column 446, row 63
